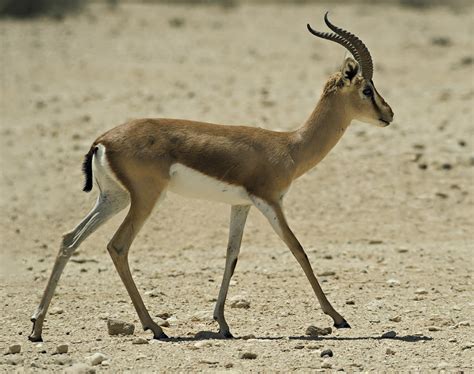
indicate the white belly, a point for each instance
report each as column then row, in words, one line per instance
column 188, row 182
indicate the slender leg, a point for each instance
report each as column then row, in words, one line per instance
column 108, row 204
column 140, row 208
column 238, row 216
column 274, row 213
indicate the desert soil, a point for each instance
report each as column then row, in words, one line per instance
column 386, row 218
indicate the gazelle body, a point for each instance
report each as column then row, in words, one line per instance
column 138, row 162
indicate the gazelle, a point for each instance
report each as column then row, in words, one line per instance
column 138, row 162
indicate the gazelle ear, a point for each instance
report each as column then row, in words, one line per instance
column 349, row 70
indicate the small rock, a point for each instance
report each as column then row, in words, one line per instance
column 96, row 358
column 393, row 282
column 14, row 348
column 154, row 293
column 441, row 41
column 140, row 340
column 463, row 323
column 452, row 340
column 433, row 328
column 421, row 291
column 389, row 334
column 395, row 319
column 389, row 351
column 164, row 323
column 203, row 344
column 467, row 346
column 350, row 302
column 326, row 364
column 163, row 315
column 15, row 360
column 117, row 327
column 375, row 241
column 248, row 356
column 299, row 346
column 317, row 331
column 80, row 368
column 402, row 250
column 63, row 360
column 62, row 348
column 249, row 336
column 327, row 273
column 56, row 310
column 240, row 303
column 327, row 353
column 229, row 365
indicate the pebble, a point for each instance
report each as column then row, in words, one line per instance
column 463, row 323
column 96, row 358
column 395, row 319
column 452, row 340
column 421, row 291
column 202, row 344
column 62, row 348
column 327, row 274
column 467, row 346
column 433, row 328
column 389, row 351
column 240, row 303
column 164, row 323
column 140, row 341
column 14, row 348
column 327, row 353
column 317, row 331
column 326, row 364
column 54, row 311
column 350, row 302
column 80, row 368
column 389, row 334
column 14, row 360
column 117, row 327
column 248, row 356
column 249, row 336
column 393, row 282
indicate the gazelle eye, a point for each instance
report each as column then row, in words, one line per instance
column 367, row 91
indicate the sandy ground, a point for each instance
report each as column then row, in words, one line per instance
column 386, row 218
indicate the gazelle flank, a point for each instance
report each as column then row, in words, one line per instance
column 136, row 163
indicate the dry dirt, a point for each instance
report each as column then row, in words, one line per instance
column 386, row 218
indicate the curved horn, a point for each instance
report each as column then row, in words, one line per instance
column 365, row 60
column 338, row 39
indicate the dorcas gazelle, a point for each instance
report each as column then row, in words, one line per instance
column 136, row 163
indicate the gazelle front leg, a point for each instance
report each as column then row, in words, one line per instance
column 274, row 213
column 238, row 216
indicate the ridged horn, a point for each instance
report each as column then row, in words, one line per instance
column 338, row 39
column 365, row 59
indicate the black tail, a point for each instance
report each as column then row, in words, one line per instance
column 87, row 169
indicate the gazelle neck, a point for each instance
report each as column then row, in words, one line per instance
column 323, row 129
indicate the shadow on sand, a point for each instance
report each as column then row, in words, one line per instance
column 210, row 335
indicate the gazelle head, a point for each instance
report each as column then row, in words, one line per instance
column 354, row 83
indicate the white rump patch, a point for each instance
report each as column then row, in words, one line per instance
column 188, row 182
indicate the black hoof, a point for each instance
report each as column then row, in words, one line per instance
column 342, row 325
column 35, row 339
column 161, row 336
column 227, row 335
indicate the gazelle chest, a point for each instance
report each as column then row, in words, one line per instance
column 188, row 182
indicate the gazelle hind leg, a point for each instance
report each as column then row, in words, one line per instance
column 140, row 208
column 238, row 217
column 109, row 202
column 274, row 214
